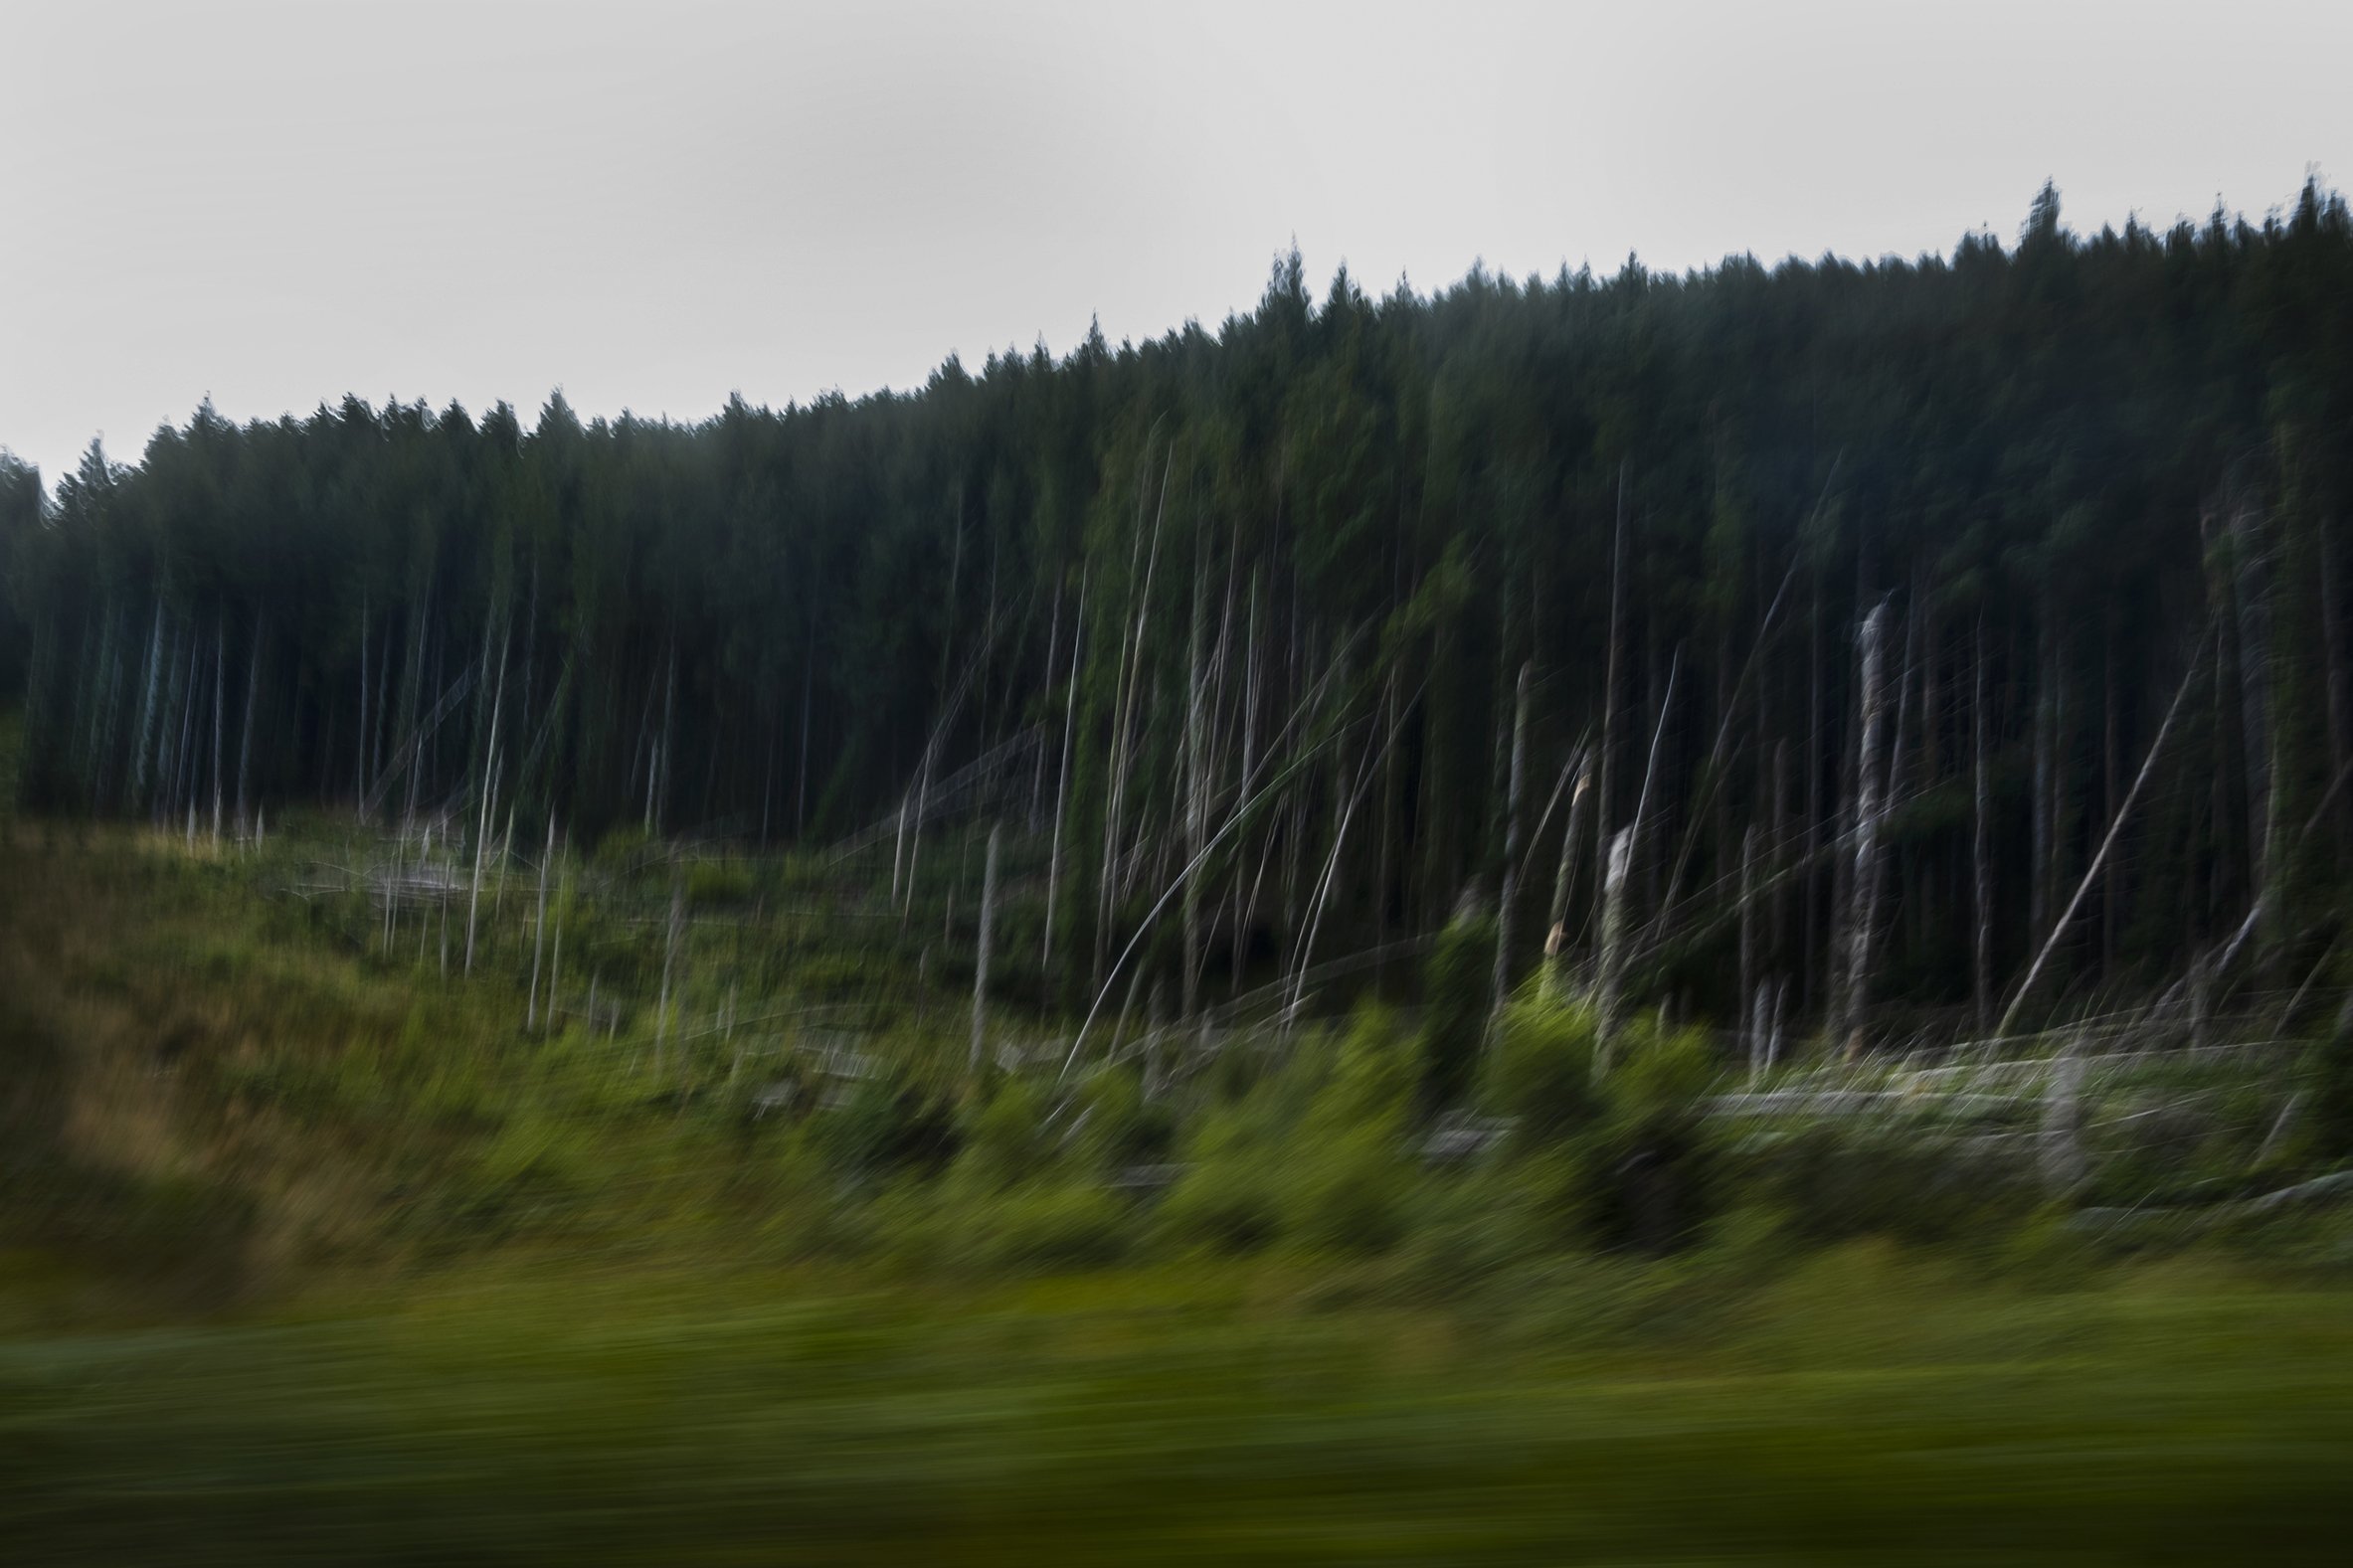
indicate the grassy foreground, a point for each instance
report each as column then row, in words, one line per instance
column 245, row 1317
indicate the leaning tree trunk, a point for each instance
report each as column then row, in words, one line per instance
column 1870, row 803
column 1507, row 888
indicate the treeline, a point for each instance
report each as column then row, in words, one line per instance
column 1786, row 641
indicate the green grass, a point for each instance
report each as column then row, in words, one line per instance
column 307, row 1255
column 1872, row 1409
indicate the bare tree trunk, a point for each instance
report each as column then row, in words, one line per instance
column 2107, row 843
column 1253, row 679
column 809, row 673
column 1507, row 888
column 2333, row 638
column 416, row 682
column 981, row 960
column 2062, row 1154
column 555, row 966
column 899, row 852
column 1196, row 786
column 658, row 787
column 1564, row 876
column 147, row 707
column 539, row 930
column 2252, row 587
column 1981, row 884
column 1609, row 691
column 181, row 788
column 1038, row 764
column 1062, row 778
column 2107, row 801
column 245, row 748
column 474, row 900
column 1613, row 930
column 219, row 687
column 669, row 968
column 1809, row 953
column 2046, row 722
column 1870, row 797
column 1745, row 995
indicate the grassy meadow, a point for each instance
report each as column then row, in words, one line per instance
column 316, row 1251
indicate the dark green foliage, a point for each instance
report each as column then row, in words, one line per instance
column 2327, row 1106
column 1618, row 1159
column 1541, row 1070
column 1456, row 994
column 2058, row 462
column 887, row 1126
column 1824, row 1185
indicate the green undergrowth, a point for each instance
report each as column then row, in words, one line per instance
column 308, row 1253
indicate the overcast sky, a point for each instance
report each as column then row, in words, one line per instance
column 654, row 205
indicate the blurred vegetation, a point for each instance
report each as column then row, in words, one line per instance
column 313, row 1252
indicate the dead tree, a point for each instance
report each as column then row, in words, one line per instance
column 1565, row 877
column 1613, row 944
column 669, row 966
column 1508, row 888
column 2107, row 844
column 539, row 930
column 1981, row 851
column 1870, row 803
column 981, row 957
column 1078, row 634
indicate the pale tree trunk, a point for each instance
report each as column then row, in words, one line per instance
column 1062, row 777
column 147, row 708
column 1746, row 994
column 474, row 900
column 1196, row 786
column 245, row 746
column 1037, row 766
column 489, row 787
column 809, row 672
column 220, row 690
column 2340, row 748
column 1565, row 877
column 1613, row 930
column 899, row 852
column 1870, row 797
column 2107, row 800
column 539, row 930
column 1982, row 850
column 981, row 959
column 1610, row 690
column 2038, row 880
column 1507, row 888
column 555, row 964
column 359, row 778
column 669, row 966
column 2107, row 844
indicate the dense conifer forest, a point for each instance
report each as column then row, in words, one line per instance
column 1642, row 917
column 1818, row 645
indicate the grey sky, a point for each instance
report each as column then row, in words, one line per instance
column 655, row 205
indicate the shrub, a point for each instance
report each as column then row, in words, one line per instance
column 1226, row 1204
column 1455, row 994
column 1541, row 1072
column 1829, row 1184
column 1004, row 1139
column 1054, row 1226
column 624, row 848
column 1348, row 1194
column 889, row 1126
column 2328, row 1095
column 723, row 883
column 1119, row 1126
